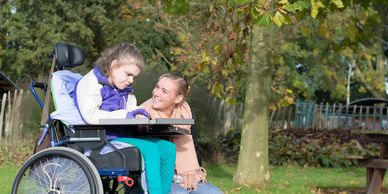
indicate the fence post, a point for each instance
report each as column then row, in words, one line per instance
column 2, row 110
column 381, row 118
column 289, row 116
column 340, row 119
column 360, row 117
column 367, row 116
column 327, row 124
column 386, row 113
column 320, row 116
column 12, row 117
column 7, row 117
column 271, row 120
column 16, row 116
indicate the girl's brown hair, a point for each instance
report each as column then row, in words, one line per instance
column 125, row 50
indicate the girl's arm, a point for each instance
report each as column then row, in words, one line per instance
column 88, row 101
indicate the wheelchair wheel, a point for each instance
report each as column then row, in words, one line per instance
column 57, row 170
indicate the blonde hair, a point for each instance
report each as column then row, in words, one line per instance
column 125, row 50
column 183, row 84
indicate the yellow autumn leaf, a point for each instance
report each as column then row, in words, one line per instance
column 347, row 52
column 205, row 57
column 278, row 19
column 338, row 3
column 315, row 7
column 218, row 49
column 282, row 2
column 218, row 89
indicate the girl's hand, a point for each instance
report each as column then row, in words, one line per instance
column 134, row 113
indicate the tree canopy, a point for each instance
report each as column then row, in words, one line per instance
column 286, row 50
column 30, row 29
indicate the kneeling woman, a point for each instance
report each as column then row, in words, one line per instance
column 106, row 92
column 168, row 101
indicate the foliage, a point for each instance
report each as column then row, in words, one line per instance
column 31, row 115
column 326, row 148
column 311, row 56
column 313, row 148
column 31, row 28
column 314, row 56
column 18, row 153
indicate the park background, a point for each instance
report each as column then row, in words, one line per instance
column 246, row 60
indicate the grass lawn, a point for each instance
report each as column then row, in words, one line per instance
column 283, row 179
column 291, row 179
column 7, row 174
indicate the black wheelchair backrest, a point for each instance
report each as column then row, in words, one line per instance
column 68, row 55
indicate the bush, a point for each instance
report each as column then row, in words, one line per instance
column 16, row 154
column 328, row 148
column 316, row 148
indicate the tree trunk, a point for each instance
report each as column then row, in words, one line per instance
column 252, row 167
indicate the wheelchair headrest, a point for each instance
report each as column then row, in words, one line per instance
column 68, row 55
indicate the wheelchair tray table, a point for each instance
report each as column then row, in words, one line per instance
column 143, row 127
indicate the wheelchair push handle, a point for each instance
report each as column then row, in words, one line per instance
column 42, row 86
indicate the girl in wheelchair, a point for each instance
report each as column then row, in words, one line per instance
column 106, row 92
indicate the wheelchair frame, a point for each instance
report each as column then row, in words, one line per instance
column 59, row 144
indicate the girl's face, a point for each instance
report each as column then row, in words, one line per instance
column 165, row 95
column 123, row 72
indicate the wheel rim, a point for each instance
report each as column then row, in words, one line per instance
column 54, row 175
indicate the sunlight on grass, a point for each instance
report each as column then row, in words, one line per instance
column 291, row 179
column 7, row 174
column 284, row 179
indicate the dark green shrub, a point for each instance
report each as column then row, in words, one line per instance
column 328, row 148
column 324, row 148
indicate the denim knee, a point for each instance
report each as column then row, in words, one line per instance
column 177, row 189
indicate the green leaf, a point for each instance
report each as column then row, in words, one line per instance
column 178, row 7
column 297, row 6
column 338, row 3
column 218, row 89
column 241, row 1
column 351, row 32
column 231, row 100
column 264, row 19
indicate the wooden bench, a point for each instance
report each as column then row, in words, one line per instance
column 375, row 166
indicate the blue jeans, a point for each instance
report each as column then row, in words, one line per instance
column 202, row 188
column 159, row 157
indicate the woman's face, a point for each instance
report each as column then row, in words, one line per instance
column 165, row 95
column 123, row 72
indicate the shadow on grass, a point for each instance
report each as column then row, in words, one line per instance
column 220, row 171
column 344, row 190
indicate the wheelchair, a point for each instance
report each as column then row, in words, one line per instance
column 72, row 159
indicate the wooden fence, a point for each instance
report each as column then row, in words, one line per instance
column 330, row 116
column 10, row 116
